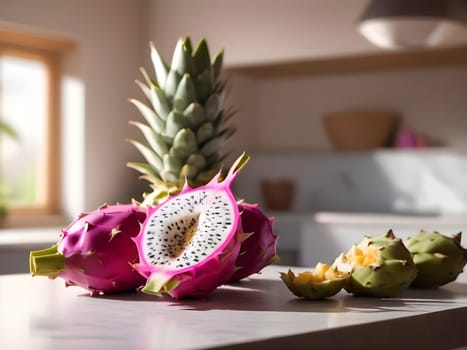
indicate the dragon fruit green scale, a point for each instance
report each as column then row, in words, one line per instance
column 189, row 244
column 379, row 266
column 95, row 251
column 439, row 259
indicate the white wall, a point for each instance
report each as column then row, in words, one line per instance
column 110, row 36
column 261, row 31
column 289, row 110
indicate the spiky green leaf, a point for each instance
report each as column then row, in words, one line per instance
column 149, row 155
column 146, row 77
column 201, row 57
column 160, row 67
column 169, row 176
column 144, row 88
column 212, row 107
column 175, row 122
column 157, row 98
column 182, row 61
column 212, row 146
column 159, row 102
column 188, row 171
column 204, row 132
column 143, row 168
column 150, row 116
column 189, row 46
column 204, row 85
column 185, row 94
column 154, row 140
column 171, row 84
column 172, row 164
column 217, row 64
column 194, row 114
column 185, row 143
column 197, row 160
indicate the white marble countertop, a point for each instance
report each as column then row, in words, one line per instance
column 14, row 238
column 257, row 313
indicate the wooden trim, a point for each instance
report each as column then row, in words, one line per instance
column 48, row 52
column 359, row 63
column 53, row 153
column 35, row 41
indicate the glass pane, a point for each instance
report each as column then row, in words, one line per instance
column 23, row 103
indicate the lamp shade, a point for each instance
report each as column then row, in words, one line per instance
column 396, row 24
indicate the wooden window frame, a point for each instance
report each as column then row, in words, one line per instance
column 48, row 50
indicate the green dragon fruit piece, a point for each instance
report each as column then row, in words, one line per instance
column 379, row 266
column 439, row 259
column 323, row 282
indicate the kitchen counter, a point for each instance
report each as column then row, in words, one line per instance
column 16, row 243
column 257, row 313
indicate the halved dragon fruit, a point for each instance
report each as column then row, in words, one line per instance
column 95, row 251
column 188, row 245
column 259, row 249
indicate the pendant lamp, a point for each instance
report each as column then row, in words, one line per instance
column 414, row 24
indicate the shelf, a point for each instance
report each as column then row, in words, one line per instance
column 359, row 63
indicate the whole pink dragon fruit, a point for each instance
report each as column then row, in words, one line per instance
column 259, row 249
column 188, row 245
column 95, row 251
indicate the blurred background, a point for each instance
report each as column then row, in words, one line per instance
column 357, row 121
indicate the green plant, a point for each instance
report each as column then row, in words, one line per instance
column 6, row 129
column 185, row 125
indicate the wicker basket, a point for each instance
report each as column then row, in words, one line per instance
column 361, row 129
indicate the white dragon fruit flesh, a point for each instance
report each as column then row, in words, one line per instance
column 259, row 249
column 96, row 251
column 188, row 245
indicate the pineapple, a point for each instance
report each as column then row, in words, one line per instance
column 186, row 124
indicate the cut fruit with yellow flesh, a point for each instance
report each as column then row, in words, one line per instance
column 321, row 273
column 363, row 255
column 379, row 266
column 324, row 281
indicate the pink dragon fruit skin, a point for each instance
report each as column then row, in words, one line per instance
column 96, row 251
column 201, row 266
column 259, row 249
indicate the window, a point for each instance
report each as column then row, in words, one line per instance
column 23, row 108
column 29, row 101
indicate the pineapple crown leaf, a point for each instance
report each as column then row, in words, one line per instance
column 217, row 63
column 154, row 140
column 184, row 125
column 160, row 67
column 182, row 61
column 144, row 88
column 151, row 157
column 187, row 43
column 146, row 77
column 150, row 116
column 185, row 93
column 171, row 84
column 201, row 57
column 143, row 168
